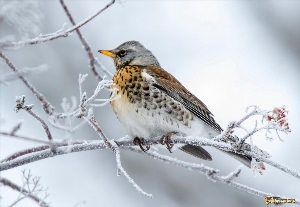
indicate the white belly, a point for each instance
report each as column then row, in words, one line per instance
column 143, row 123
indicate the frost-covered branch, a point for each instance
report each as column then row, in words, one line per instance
column 31, row 189
column 56, row 35
column 72, row 112
column 121, row 170
column 124, row 144
column 212, row 174
column 48, row 108
column 115, row 148
column 127, row 144
column 226, row 143
column 21, row 105
column 86, row 46
column 93, row 122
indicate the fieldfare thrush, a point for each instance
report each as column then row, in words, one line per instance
column 154, row 103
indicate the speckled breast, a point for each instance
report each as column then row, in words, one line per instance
column 139, row 96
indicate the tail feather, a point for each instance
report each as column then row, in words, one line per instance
column 201, row 153
column 246, row 160
column 196, row 151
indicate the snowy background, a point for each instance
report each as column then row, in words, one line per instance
column 230, row 54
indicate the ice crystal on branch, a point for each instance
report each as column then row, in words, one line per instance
column 78, row 108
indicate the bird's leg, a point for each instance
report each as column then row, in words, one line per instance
column 141, row 142
column 166, row 139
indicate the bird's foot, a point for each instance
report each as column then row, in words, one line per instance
column 142, row 143
column 166, row 139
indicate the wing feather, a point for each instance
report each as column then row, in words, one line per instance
column 172, row 87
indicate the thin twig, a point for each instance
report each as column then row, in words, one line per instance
column 17, row 127
column 14, row 186
column 236, row 124
column 46, row 105
column 93, row 122
column 43, row 123
column 233, row 175
column 84, row 43
column 24, row 138
column 21, row 105
column 121, row 169
column 65, row 33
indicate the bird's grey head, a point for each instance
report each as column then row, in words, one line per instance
column 131, row 53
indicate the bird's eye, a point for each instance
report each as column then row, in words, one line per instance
column 122, row 53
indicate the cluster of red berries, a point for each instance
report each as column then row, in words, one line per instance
column 279, row 115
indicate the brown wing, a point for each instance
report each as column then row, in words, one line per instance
column 171, row 86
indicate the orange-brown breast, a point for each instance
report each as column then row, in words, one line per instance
column 128, row 82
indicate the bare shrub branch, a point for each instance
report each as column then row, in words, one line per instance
column 127, row 144
column 87, row 47
column 21, row 105
column 31, row 189
column 56, row 35
column 121, row 170
column 46, row 105
column 30, row 139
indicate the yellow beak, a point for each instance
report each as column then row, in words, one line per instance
column 107, row 53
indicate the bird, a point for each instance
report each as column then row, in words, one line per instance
column 150, row 102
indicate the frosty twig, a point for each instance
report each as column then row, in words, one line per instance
column 55, row 35
column 87, row 47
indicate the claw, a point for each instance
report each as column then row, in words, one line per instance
column 141, row 142
column 166, row 139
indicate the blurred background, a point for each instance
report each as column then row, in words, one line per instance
column 230, row 54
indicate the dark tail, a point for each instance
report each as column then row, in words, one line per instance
column 246, row 160
column 196, row 151
column 201, row 153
